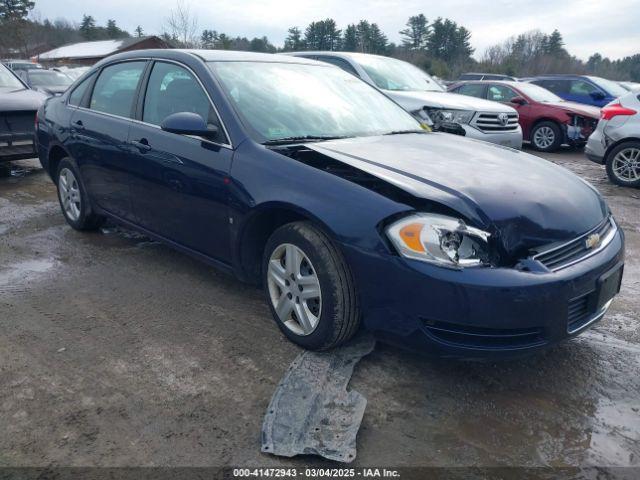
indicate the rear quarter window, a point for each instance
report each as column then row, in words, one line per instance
column 78, row 92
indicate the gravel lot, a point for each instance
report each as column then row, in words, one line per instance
column 118, row 351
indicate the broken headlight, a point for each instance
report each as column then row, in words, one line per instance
column 441, row 240
column 440, row 116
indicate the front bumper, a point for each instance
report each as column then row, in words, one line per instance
column 511, row 138
column 482, row 312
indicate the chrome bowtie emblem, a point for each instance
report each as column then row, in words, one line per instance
column 503, row 118
column 592, row 241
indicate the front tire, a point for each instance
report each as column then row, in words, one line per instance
column 73, row 198
column 546, row 137
column 623, row 164
column 309, row 287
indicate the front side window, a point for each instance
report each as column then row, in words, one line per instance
column 283, row 100
column 115, row 88
column 556, row 86
column 612, row 88
column 78, row 93
column 472, row 89
column 396, row 75
column 500, row 93
column 339, row 62
column 174, row 89
column 580, row 87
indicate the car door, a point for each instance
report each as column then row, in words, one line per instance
column 583, row 91
column 99, row 132
column 504, row 94
column 178, row 189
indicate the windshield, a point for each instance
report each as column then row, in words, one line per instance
column 396, row 75
column 8, row 79
column 284, row 100
column 608, row 86
column 538, row 94
column 48, row 78
column 75, row 73
column 25, row 66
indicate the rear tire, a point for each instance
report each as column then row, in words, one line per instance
column 73, row 198
column 623, row 164
column 546, row 137
column 309, row 287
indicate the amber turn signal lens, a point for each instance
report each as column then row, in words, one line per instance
column 410, row 235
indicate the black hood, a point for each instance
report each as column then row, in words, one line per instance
column 12, row 100
column 523, row 200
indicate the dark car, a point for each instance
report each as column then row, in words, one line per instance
column 18, row 107
column 547, row 121
column 46, row 81
column 585, row 89
column 486, row 76
column 297, row 175
column 17, row 65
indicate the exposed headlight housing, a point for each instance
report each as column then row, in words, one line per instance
column 447, row 116
column 441, row 240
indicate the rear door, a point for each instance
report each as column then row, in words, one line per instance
column 100, row 131
column 178, row 187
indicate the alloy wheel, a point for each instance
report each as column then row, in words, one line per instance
column 294, row 289
column 626, row 165
column 69, row 193
column 544, row 137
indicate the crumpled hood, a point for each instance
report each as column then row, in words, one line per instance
column 577, row 108
column 20, row 100
column 413, row 101
column 522, row 200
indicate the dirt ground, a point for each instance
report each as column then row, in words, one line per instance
column 118, row 351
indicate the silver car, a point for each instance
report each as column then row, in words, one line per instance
column 428, row 100
column 615, row 142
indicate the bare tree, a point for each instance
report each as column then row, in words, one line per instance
column 182, row 24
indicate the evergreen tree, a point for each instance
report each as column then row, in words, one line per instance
column 350, row 39
column 294, row 41
column 416, row 34
column 13, row 10
column 139, row 32
column 208, row 39
column 88, row 27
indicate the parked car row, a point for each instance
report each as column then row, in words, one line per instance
column 292, row 173
column 547, row 120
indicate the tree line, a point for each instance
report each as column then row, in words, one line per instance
column 440, row 46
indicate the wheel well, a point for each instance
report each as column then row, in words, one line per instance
column 254, row 238
column 619, row 142
column 55, row 155
column 546, row 119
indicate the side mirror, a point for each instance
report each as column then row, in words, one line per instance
column 518, row 101
column 187, row 123
column 597, row 95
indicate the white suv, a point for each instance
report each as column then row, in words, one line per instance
column 427, row 100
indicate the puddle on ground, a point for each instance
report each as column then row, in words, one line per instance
column 19, row 274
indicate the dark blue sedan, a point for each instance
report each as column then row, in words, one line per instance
column 299, row 176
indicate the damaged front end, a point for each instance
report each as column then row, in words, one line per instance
column 578, row 129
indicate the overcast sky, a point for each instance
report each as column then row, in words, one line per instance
column 611, row 27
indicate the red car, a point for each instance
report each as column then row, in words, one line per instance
column 547, row 121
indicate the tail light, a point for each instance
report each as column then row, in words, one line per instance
column 614, row 110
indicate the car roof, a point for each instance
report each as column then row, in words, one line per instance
column 353, row 55
column 510, row 83
column 210, row 56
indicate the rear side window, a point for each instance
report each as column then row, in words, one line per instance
column 472, row 89
column 78, row 93
column 115, row 88
column 173, row 89
column 558, row 87
column 339, row 62
column 470, row 76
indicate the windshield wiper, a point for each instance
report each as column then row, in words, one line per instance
column 402, row 132
column 300, row 139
